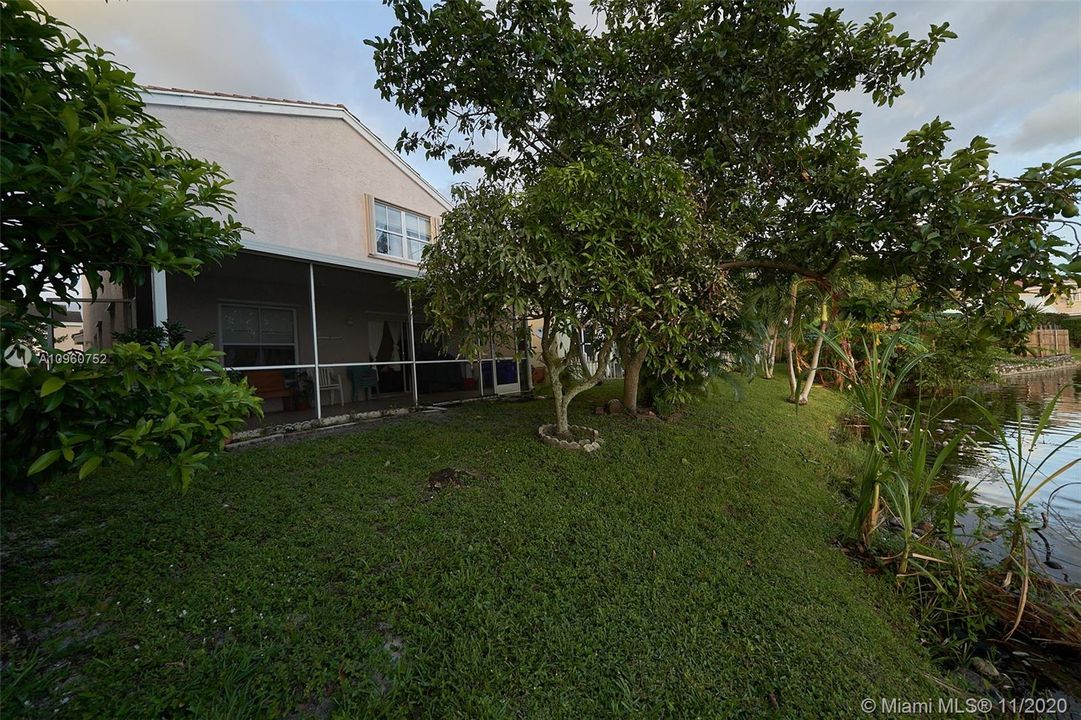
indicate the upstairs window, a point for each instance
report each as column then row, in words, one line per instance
column 400, row 234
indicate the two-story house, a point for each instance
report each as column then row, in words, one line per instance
column 311, row 310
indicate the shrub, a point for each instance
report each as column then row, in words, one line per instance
column 94, row 189
column 132, row 403
column 961, row 356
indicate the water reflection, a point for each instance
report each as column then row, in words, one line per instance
column 1058, row 502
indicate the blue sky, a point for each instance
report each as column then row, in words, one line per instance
column 1013, row 74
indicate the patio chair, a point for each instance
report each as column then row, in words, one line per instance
column 363, row 378
column 330, row 381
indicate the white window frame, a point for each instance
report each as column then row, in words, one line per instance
column 405, row 240
column 258, row 307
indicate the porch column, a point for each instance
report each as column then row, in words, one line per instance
column 159, row 297
column 412, row 345
column 525, row 365
column 315, row 344
column 495, row 375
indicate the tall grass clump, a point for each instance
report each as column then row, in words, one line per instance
column 1024, row 476
column 900, row 485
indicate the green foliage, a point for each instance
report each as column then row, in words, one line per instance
column 642, row 260
column 733, row 98
column 529, row 593
column 478, row 273
column 606, row 243
column 1026, row 472
column 963, row 355
column 740, row 96
column 912, row 464
column 976, row 231
column 169, row 333
column 875, row 388
column 92, row 188
column 90, row 185
column 135, row 403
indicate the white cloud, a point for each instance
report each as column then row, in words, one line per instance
column 1008, row 59
column 208, row 46
column 1056, row 122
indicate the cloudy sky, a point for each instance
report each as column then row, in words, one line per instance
column 1013, row 74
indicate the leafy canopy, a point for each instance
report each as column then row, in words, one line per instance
column 741, row 97
column 604, row 242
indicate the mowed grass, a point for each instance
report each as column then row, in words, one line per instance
column 687, row 569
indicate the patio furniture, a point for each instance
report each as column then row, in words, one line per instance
column 362, row 377
column 270, row 384
column 330, row 381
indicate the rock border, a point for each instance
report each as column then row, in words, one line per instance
column 1028, row 365
column 547, row 434
column 269, row 433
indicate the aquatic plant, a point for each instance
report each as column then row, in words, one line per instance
column 1024, row 476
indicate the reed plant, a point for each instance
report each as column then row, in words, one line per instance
column 1024, row 475
column 911, row 470
column 875, row 387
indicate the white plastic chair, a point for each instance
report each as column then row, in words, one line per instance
column 330, row 381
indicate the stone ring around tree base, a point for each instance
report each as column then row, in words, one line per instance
column 591, row 439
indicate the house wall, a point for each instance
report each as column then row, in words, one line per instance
column 64, row 337
column 304, row 183
column 108, row 314
column 1066, row 304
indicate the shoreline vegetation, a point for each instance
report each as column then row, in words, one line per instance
column 689, row 567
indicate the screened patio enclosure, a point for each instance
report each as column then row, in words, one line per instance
column 320, row 341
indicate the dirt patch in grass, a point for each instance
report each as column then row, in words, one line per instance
column 448, row 478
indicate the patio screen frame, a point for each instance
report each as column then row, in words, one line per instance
column 409, row 363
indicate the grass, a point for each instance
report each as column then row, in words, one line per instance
column 685, row 569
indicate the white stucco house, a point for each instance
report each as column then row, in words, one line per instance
column 310, row 310
column 1068, row 303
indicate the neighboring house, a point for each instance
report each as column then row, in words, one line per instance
column 68, row 335
column 310, row 311
column 1066, row 304
column 66, row 330
column 589, row 347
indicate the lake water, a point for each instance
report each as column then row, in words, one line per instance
column 1058, row 545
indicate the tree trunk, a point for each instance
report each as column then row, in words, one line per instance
column 770, row 354
column 582, row 359
column 555, row 364
column 562, row 426
column 793, row 381
column 790, row 343
column 632, row 373
column 810, row 379
column 846, row 358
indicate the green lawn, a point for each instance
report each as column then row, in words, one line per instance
column 686, row 569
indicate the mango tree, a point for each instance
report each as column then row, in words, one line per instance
column 595, row 244
column 731, row 92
